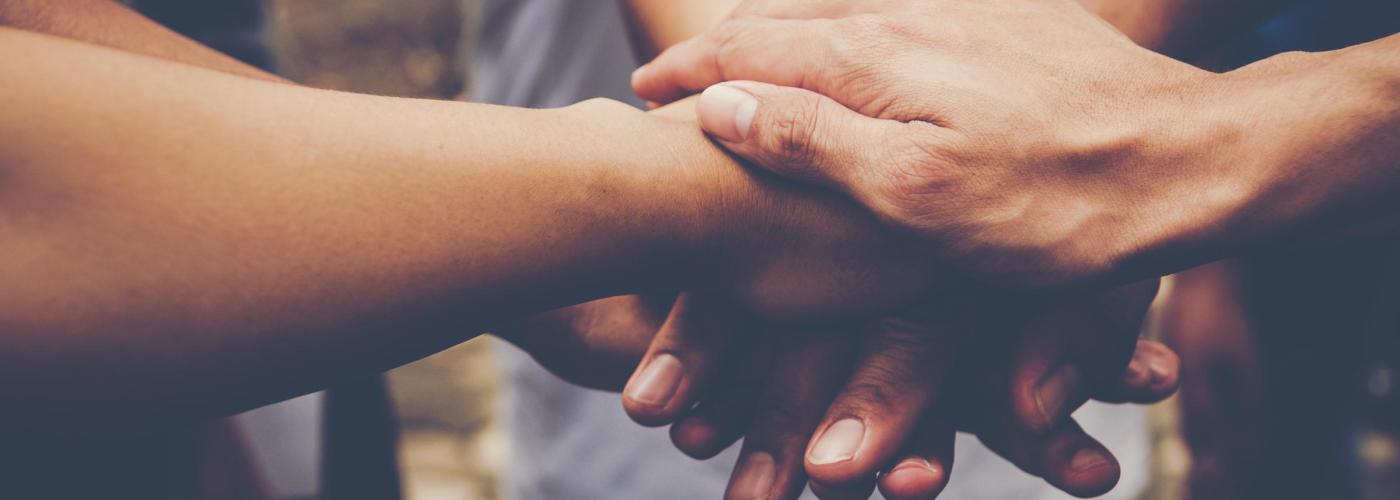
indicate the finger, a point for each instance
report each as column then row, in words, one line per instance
column 1153, row 375
column 805, row 375
column 605, row 338
column 689, row 67
column 1073, row 350
column 728, row 405
column 801, row 9
column 1065, row 456
column 801, row 134
column 923, row 471
column 899, row 375
column 681, row 360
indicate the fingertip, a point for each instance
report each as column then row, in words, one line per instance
column 1088, row 472
column 913, row 479
column 639, row 79
column 698, row 438
column 656, row 393
column 1153, row 374
column 1164, row 367
column 646, row 84
column 727, row 112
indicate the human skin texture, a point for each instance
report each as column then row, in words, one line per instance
column 1039, row 148
column 281, row 215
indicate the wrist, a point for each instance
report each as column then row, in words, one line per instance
column 679, row 189
column 1295, row 144
column 1191, row 176
column 1322, row 133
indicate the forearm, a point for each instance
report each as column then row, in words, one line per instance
column 1330, row 126
column 1303, row 150
column 148, row 263
column 111, row 24
column 657, row 24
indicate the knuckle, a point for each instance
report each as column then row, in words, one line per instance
column 784, row 412
column 854, row 53
column 729, row 36
column 793, row 127
column 919, row 169
column 872, row 394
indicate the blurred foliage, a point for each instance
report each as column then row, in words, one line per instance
column 392, row 47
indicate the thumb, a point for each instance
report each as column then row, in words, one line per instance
column 794, row 132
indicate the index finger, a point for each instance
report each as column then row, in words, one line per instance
column 785, row 52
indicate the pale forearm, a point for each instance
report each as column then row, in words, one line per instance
column 658, row 24
column 308, row 233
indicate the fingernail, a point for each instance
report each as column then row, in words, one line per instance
column 1137, row 372
column 755, row 477
column 1087, row 459
column 638, row 74
column 1053, row 394
column 727, row 112
column 914, row 463
column 657, row 383
column 1157, row 366
column 839, row 443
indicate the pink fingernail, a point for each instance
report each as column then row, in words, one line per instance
column 727, row 112
column 1137, row 372
column 839, row 443
column 657, row 383
column 1157, row 366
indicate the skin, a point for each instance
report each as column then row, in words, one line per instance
column 525, row 341
column 349, row 253
column 894, row 386
column 1159, row 135
column 802, row 129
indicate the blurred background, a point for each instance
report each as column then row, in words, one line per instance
column 1231, row 421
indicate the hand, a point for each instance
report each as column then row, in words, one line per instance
column 777, row 249
column 988, row 118
column 896, row 397
column 595, row 344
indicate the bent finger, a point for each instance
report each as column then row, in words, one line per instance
column 726, row 409
column 1073, row 350
column 806, row 374
column 923, row 472
column 899, row 376
column 681, row 360
column 1065, row 456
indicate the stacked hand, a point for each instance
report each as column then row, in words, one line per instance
column 894, row 104
column 881, row 402
column 1027, row 142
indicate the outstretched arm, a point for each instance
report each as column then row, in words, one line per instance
column 315, row 234
column 157, row 251
column 1141, row 165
